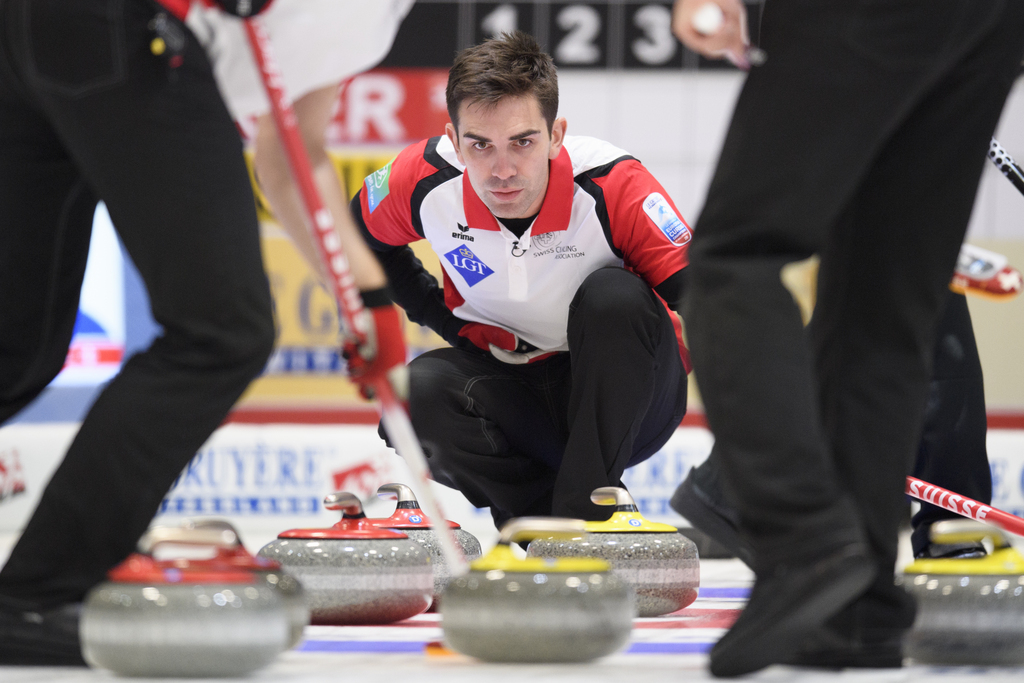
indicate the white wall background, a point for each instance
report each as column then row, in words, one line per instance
column 675, row 124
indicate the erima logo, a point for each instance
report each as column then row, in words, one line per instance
column 466, row 262
column 460, row 236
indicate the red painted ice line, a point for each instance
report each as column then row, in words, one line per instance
column 962, row 505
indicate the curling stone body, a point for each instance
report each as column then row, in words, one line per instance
column 536, row 610
column 970, row 611
column 176, row 618
column 355, row 572
column 410, row 520
column 659, row 563
column 288, row 589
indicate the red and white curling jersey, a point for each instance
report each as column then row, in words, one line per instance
column 602, row 208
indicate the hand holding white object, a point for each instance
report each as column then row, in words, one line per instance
column 713, row 28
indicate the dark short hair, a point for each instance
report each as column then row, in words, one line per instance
column 511, row 65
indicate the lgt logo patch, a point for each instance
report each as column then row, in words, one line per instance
column 472, row 269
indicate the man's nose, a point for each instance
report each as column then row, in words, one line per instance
column 503, row 167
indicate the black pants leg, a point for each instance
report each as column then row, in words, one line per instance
column 628, row 387
column 538, row 438
column 868, row 151
column 952, row 452
column 86, row 112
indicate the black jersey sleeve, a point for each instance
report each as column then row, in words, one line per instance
column 671, row 290
column 414, row 288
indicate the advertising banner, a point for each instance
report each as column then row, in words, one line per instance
column 97, row 347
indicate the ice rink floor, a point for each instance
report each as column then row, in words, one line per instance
column 670, row 648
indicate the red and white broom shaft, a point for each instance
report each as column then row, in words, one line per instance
column 396, row 420
column 962, row 505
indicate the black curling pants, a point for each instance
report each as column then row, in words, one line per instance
column 862, row 139
column 88, row 113
column 952, row 453
column 537, row 439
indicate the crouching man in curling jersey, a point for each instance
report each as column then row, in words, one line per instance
column 559, row 256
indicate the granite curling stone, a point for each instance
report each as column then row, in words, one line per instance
column 658, row 562
column 286, row 585
column 182, row 617
column 534, row 609
column 409, row 519
column 969, row 611
column 355, row 572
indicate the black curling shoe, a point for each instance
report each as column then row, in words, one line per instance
column 787, row 607
column 40, row 637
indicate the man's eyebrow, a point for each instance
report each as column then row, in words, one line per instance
column 517, row 136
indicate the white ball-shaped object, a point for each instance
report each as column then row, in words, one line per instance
column 708, row 19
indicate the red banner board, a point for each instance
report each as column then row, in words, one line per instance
column 385, row 106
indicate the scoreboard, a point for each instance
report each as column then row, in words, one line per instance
column 608, row 34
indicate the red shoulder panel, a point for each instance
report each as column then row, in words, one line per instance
column 645, row 224
column 386, row 196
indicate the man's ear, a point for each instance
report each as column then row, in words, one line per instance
column 453, row 135
column 558, row 128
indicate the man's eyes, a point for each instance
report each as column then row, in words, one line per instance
column 480, row 146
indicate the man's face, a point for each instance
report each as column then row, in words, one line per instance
column 505, row 148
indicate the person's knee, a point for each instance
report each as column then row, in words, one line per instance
column 609, row 295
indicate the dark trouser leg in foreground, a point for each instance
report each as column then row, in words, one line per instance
column 816, row 431
column 538, row 438
column 96, row 115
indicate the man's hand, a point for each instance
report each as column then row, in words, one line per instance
column 382, row 354
column 503, row 345
column 729, row 40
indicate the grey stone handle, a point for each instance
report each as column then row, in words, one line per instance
column 347, row 502
column 529, row 528
column 401, row 492
column 612, row 495
column 217, row 538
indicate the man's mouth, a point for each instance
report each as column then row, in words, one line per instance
column 506, row 194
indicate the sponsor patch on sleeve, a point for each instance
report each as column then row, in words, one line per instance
column 661, row 213
column 377, row 186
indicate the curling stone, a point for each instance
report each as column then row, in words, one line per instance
column 969, row 611
column 535, row 609
column 286, row 586
column 355, row 572
column 655, row 559
column 180, row 617
column 409, row 519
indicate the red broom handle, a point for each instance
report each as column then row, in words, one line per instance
column 396, row 420
column 962, row 505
